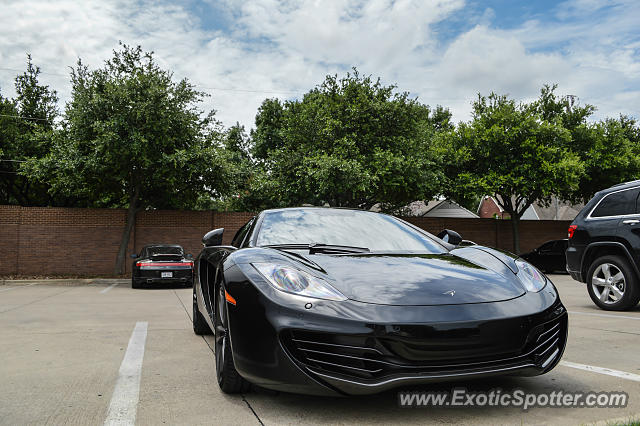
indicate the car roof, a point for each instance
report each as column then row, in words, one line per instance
column 315, row 208
column 624, row 185
column 162, row 245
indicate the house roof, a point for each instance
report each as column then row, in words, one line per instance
column 438, row 208
column 565, row 211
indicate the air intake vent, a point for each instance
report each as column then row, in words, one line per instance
column 370, row 357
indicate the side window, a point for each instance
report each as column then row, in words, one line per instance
column 559, row 246
column 617, row 204
column 546, row 247
column 242, row 232
column 564, row 245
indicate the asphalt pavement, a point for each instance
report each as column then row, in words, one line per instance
column 98, row 351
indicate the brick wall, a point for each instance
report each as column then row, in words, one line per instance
column 59, row 241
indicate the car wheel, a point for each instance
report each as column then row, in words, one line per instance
column 134, row 284
column 200, row 326
column 612, row 284
column 228, row 378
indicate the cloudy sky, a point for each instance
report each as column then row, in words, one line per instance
column 441, row 51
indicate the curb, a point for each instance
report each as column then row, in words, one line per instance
column 66, row 281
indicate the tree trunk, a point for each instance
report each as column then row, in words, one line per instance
column 515, row 231
column 132, row 211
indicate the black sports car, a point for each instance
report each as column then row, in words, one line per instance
column 161, row 263
column 335, row 301
column 549, row 257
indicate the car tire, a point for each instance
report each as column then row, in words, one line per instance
column 604, row 289
column 200, row 326
column 228, row 378
column 134, row 284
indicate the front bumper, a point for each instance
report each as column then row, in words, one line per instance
column 356, row 348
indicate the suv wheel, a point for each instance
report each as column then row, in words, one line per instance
column 612, row 284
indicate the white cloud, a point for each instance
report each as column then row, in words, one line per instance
column 288, row 47
column 484, row 60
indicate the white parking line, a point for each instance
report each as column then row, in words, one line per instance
column 20, row 286
column 104, row 290
column 604, row 315
column 602, row 370
column 124, row 401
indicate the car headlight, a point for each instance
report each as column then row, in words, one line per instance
column 295, row 281
column 532, row 279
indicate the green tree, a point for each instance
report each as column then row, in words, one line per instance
column 27, row 127
column 134, row 138
column 8, row 136
column 612, row 156
column 240, row 169
column 509, row 151
column 349, row 142
column 266, row 136
column 608, row 148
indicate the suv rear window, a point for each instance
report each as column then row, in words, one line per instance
column 617, row 204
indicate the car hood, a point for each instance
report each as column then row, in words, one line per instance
column 417, row 279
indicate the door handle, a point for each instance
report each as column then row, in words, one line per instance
column 631, row 221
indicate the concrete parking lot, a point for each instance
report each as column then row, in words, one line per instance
column 63, row 361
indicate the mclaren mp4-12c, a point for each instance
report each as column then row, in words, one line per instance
column 330, row 301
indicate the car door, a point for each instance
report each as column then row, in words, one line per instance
column 559, row 261
column 214, row 257
column 545, row 256
column 629, row 225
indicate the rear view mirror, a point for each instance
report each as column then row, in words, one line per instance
column 451, row 237
column 213, row 238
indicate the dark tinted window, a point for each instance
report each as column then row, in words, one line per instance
column 164, row 250
column 242, row 232
column 546, row 247
column 377, row 232
column 617, row 203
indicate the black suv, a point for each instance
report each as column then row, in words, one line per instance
column 604, row 247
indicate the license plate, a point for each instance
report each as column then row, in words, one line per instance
column 166, row 274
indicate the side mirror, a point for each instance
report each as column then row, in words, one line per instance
column 451, row 237
column 213, row 238
column 134, row 256
column 189, row 256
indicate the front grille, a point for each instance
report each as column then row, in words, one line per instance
column 375, row 356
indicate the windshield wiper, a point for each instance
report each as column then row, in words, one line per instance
column 320, row 248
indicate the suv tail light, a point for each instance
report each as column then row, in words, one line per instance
column 572, row 229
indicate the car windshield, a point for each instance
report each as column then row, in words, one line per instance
column 164, row 250
column 377, row 232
